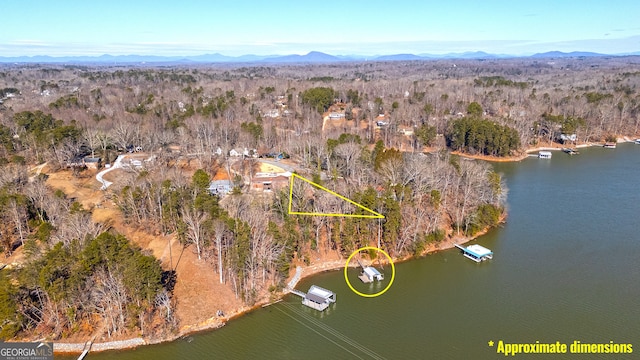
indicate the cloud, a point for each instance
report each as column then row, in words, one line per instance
column 29, row 43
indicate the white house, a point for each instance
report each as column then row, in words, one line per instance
column 273, row 113
column 407, row 131
column 220, row 187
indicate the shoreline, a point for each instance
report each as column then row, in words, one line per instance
column 549, row 147
column 61, row 348
column 301, row 273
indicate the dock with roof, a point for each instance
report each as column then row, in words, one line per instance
column 476, row 252
column 369, row 274
column 316, row 298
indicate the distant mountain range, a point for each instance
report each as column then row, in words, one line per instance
column 312, row 57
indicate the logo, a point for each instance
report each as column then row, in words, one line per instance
column 26, row 351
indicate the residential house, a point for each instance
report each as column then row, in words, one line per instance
column 568, row 137
column 267, row 182
column 76, row 162
column 273, row 113
column 81, row 161
column 135, row 163
column 220, row 187
column 92, row 162
column 381, row 120
column 405, row 130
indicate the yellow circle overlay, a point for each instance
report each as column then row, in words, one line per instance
column 393, row 272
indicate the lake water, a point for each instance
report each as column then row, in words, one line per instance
column 566, row 267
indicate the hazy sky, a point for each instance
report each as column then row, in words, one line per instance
column 189, row 27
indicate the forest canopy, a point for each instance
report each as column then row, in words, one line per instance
column 319, row 98
column 200, row 148
column 482, row 136
column 67, row 285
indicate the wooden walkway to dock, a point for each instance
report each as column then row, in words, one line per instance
column 296, row 278
column 86, row 349
column 84, row 353
column 298, row 292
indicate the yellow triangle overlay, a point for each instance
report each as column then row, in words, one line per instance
column 374, row 215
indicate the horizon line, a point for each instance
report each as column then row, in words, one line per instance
column 306, row 57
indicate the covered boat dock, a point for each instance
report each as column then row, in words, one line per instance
column 476, row 252
column 316, row 298
column 370, row 274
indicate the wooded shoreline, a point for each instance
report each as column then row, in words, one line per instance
column 364, row 132
column 62, row 348
column 309, row 271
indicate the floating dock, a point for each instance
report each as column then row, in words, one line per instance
column 570, row 151
column 369, row 274
column 316, row 298
column 476, row 252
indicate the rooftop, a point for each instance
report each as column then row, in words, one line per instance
column 371, row 271
column 220, row 182
column 318, row 291
column 315, row 298
column 478, row 251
